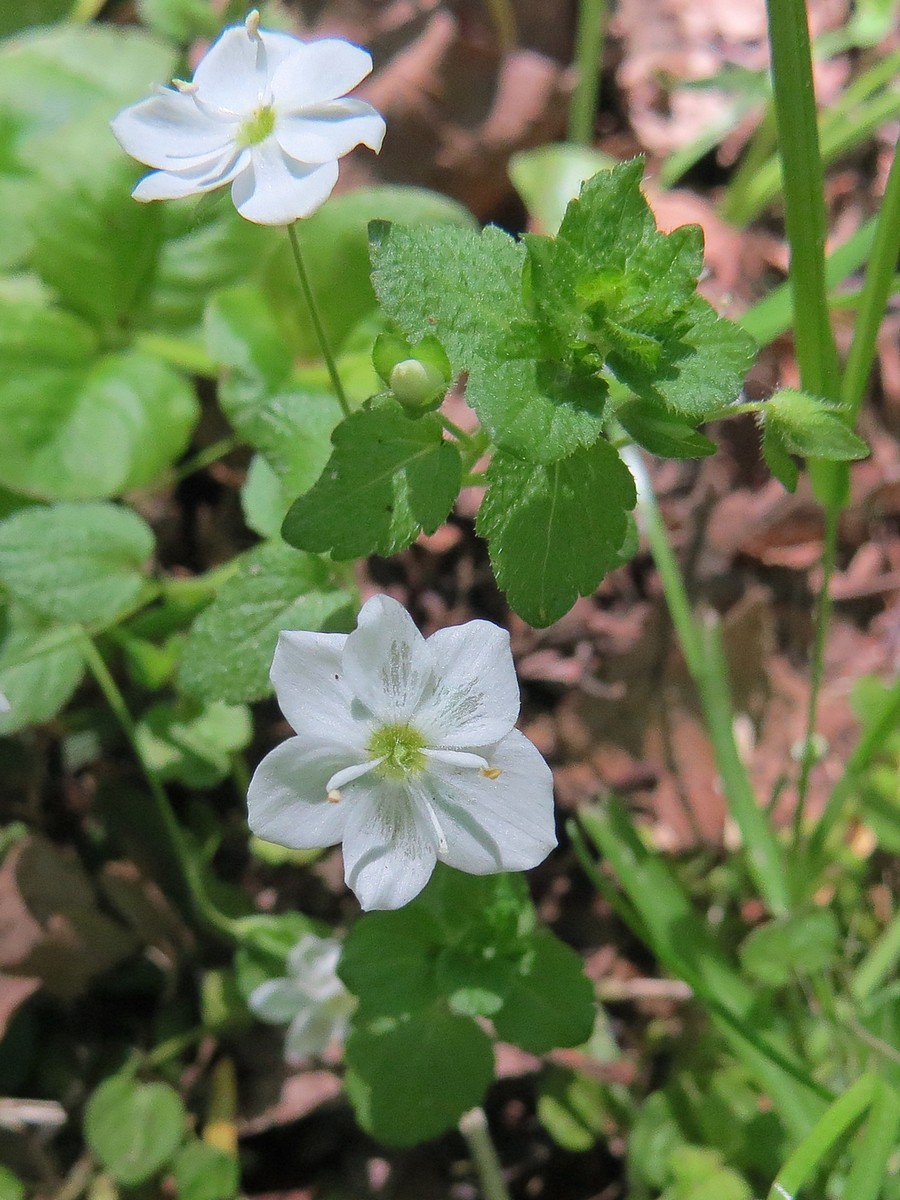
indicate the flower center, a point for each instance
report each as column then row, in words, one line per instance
column 401, row 748
column 257, row 127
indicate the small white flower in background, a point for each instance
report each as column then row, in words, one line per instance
column 405, row 752
column 311, row 1000
column 4, row 704
column 265, row 112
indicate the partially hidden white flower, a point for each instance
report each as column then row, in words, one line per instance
column 405, row 751
column 265, row 112
column 311, row 999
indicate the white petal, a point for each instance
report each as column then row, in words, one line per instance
column 275, row 190
column 236, row 72
column 319, row 71
column 312, row 965
column 389, row 847
column 310, row 1033
column 330, row 130
column 276, row 1001
column 308, row 679
column 476, row 697
column 4, row 704
column 169, row 131
column 502, row 824
column 387, row 663
column 191, row 181
column 287, row 802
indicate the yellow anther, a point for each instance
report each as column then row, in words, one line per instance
column 490, row 772
column 186, row 88
column 251, row 24
column 334, row 796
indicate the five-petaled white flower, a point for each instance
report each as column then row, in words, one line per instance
column 265, row 112
column 311, row 998
column 405, row 752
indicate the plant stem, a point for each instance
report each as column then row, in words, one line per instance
column 306, row 287
column 206, row 456
column 474, row 1128
column 880, row 962
column 503, row 17
column 588, row 52
column 876, row 289
column 189, row 882
column 702, row 650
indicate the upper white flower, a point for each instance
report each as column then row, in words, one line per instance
column 265, row 112
column 405, row 752
column 310, row 997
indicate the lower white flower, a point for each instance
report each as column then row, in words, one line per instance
column 405, row 752
column 265, row 112
column 311, row 999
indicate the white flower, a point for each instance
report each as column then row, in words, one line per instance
column 311, row 998
column 265, row 112
column 405, row 752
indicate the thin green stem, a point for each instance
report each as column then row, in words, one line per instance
column 189, row 882
column 808, row 753
column 701, row 646
column 876, row 289
column 205, row 457
column 474, row 1128
column 879, row 963
column 465, row 439
column 503, row 17
column 306, row 288
column 588, row 54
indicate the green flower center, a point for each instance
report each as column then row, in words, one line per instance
column 401, row 748
column 257, row 128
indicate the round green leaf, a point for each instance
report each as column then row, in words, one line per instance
column 134, row 1129
column 76, row 563
column 204, row 1172
column 40, row 668
column 550, row 1003
column 409, row 1080
column 803, row 945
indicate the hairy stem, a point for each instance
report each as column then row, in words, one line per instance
column 306, row 288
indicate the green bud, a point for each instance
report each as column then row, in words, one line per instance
column 416, row 384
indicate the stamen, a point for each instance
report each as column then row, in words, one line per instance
column 334, row 796
column 185, row 87
column 436, row 825
column 251, row 24
column 490, row 772
column 457, row 758
column 348, row 774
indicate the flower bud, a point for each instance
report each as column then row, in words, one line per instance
column 417, row 385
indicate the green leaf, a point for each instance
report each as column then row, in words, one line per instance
column 548, row 177
column 78, row 427
column 193, row 746
column 572, row 1108
column 388, row 961
column 41, row 665
column 79, row 563
column 180, row 21
column 411, row 1079
column 389, row 477
column 661, row 433
column 203, row 1172
column 812, row 428
column 243, row 335
column 550, row 1002
column 229, row 650
column 461, row 286
column 335, row 247
column 133, row 1128
column 804, row 944
column 31, row 12
column 537, row 411
column 550, row 540
column 778, row 457
column 96, row 247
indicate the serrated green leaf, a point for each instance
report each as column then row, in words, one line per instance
column 812, row 428
column 661, row 433
column 78, row 563
column 550, row 1001
column 78, row 427
column 335, row 247
column 229, row 650
column 96, row 247
column 388, row 961
column 203, row 1172
column 388, row 478
column 190, row 746
column 41, row 665
column 803, row 944
column 411, row 1079
column 133, row 1128
column 462, row 286
column 554, row 530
